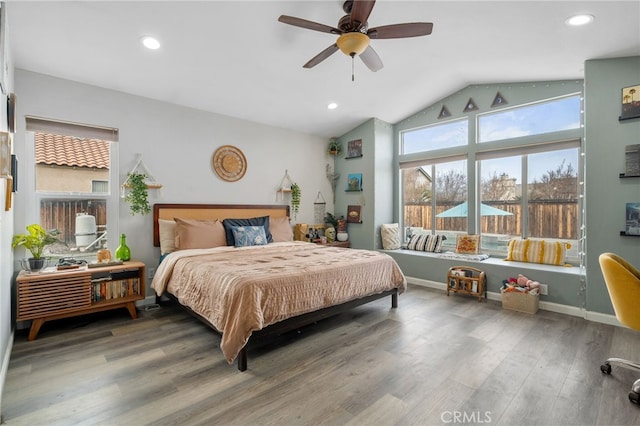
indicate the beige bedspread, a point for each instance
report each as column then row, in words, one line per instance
column 241, row 290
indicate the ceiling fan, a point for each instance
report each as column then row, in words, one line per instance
column 355, row 35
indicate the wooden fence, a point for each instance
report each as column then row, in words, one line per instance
column 547, row 219
column 61, row 215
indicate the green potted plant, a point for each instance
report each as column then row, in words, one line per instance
column 35, row 240
column 138, row 195
column 335, row 147
column 331, row 220
column 296, row 194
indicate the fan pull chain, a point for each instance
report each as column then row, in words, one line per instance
column 353, row 61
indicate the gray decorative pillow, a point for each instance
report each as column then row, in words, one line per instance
column 245, row 236
column 390, row 234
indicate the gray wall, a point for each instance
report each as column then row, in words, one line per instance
column 606, row 193
column 177, row 144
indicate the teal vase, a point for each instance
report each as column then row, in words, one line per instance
column 122, row 252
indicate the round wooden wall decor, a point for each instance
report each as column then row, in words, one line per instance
column 229, row 163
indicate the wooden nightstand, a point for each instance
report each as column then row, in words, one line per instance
column 46, row 296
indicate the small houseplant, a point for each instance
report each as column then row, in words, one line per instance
column 296, row 194
column 138, row 195
column 331, row 220
column 335, row 147
column 35, row 240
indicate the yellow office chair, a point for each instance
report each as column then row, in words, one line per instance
column 623, row 284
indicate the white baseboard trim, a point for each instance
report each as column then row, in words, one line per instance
column 6, row 358
column 547, row 306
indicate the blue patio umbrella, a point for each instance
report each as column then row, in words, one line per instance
column 461, row 210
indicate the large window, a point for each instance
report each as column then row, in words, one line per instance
column 72, row 176
column 525, row 184
column 545, row 207
column 436, row 205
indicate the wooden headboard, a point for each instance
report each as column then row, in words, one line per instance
column 211, row 212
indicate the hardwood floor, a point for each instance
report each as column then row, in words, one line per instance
column 434, row 360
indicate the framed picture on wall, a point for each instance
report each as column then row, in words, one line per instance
column 354, row 149
column 630, row 102
column 353, row 214
column 5, row 155
column 354, row 182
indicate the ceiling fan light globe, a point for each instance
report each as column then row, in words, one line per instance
column 353, row 43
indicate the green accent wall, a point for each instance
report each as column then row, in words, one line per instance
column 606, row 193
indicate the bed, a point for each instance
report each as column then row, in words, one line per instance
column 258, row 290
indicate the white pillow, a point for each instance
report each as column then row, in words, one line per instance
column 390, row 236
column 167, row 232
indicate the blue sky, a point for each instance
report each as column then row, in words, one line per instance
column 538, row 118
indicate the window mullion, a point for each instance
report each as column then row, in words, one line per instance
column 525, row 198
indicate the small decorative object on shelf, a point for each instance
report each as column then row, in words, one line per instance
column 632, row 225
column 341, row 224
column 630, row 107
column 342, row 236
column 354, row 182
column 335, row 147
column 123, row 252
column 353, row 214
column 35, row 241
column 632, row 161
column 354, row 149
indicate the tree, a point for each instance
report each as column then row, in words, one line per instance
column 451, row 186
column 416, row 186
column 499, row 187
column 558, row 184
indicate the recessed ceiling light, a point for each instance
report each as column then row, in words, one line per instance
column 150, row 43
column 578, row 20
column 332, row 105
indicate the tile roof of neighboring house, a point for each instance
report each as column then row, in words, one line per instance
column 71, row 151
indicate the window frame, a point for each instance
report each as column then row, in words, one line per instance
column 112, row 198
column 475, row 151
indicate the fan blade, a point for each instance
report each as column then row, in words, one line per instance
column 413, row 29
column 321, row 56
column 309, row 25
column 360, row 12
column 371, row 59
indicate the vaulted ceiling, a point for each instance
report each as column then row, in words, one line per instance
column 236, row 59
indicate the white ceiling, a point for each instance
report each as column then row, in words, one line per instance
column 236, row 59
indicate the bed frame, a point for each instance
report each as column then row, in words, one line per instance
column 224, row 211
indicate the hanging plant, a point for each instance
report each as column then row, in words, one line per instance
column 296, row 194
column 138, row 194
column 335, row 147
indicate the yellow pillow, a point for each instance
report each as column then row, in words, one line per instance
column 538, row 251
